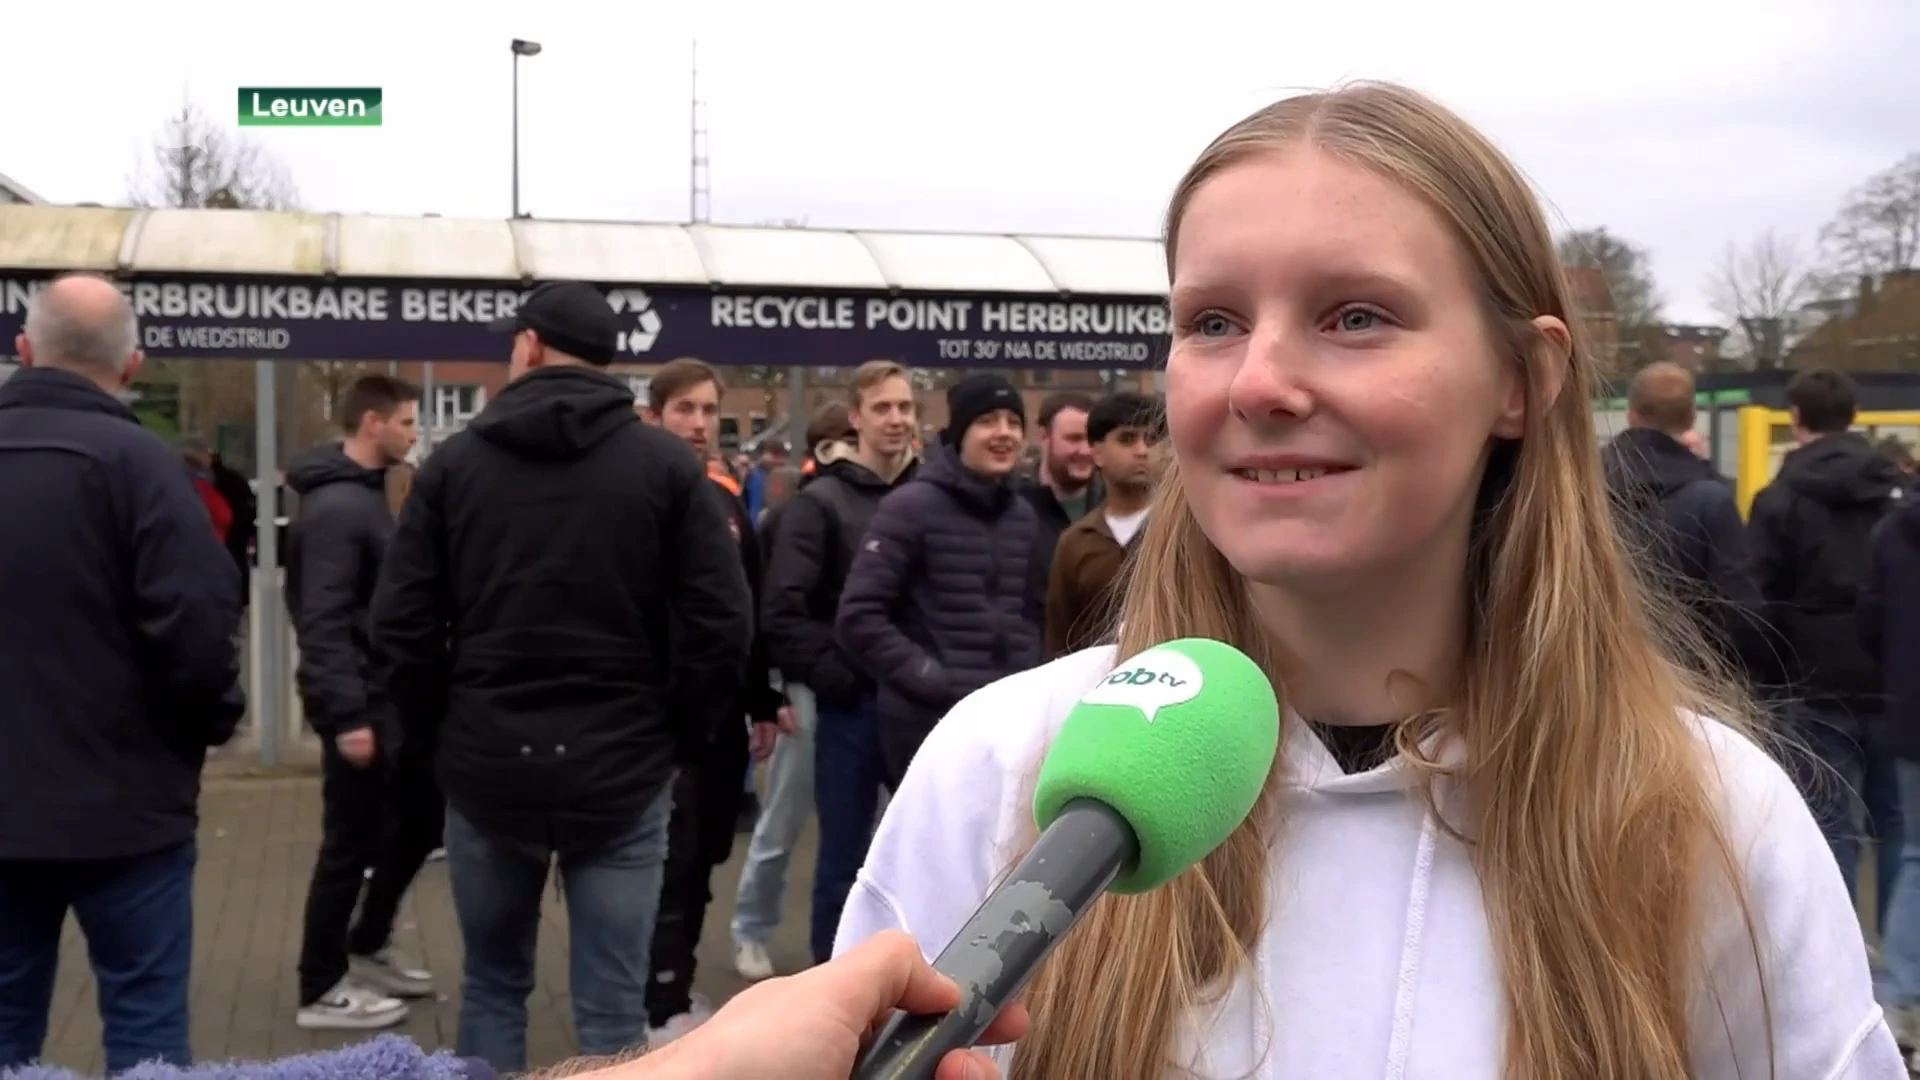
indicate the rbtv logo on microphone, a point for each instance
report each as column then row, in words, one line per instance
column 295, row 106
column 1158, row 678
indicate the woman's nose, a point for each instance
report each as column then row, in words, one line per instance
column 1269, row 383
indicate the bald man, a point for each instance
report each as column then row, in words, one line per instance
column 1684, row 521
column 118, row 669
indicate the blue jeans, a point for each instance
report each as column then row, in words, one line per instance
column 1900, row 936
column 137, row 916
column 849, row 769
column 1856, row 793
column 783, row 813
column 612, row 897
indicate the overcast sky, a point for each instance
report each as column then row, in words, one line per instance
column 1682, row 124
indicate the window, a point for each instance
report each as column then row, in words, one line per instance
column 453, row 406
column 756, row 423
column 729, row 434
column 639, row 384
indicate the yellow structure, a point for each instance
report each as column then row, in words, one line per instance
column 1767, row 434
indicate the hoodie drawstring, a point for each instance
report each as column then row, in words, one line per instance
column 1400, row 1044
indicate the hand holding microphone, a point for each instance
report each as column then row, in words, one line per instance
column 1152, row 770
column 809, row 1026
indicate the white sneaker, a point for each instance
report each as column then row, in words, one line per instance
column 351, row 1007
column 680, row 1025
column 387, row 971
column 750, row 959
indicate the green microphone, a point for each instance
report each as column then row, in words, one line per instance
column 1153, row 769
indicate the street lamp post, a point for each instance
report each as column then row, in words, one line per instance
column 520, row 48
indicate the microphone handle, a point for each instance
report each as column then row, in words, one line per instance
column 1014, row 928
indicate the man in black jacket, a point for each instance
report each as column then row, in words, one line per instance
column 1889, row 618
column 820, row 532
column 564, row 621
column 1682, row 519
column 683, row 398
column 374, row 816
column 1811, row 529
column 118, row 669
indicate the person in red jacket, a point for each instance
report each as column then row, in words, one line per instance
column 199, row 458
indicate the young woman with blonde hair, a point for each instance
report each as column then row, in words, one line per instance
column 1502, row 841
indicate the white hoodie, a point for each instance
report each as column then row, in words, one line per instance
column 1377, row 962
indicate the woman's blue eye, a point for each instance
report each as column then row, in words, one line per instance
column 1213, row 325
column 1356, row 320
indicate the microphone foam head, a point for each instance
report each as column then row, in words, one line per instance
column 1179, row 741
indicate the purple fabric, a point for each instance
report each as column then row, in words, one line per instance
column 389, row 1057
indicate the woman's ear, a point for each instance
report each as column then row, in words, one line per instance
column 1548, row 366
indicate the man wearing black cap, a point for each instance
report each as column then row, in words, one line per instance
column 565, row 619
column 941, row 599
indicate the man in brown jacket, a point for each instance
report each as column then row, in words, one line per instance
column 1123, row 431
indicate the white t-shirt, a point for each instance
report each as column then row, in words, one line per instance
column 1377, row 961
column 1124, row 526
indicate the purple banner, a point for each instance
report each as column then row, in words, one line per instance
column 391, row 319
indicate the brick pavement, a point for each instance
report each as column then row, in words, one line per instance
column 257, row 840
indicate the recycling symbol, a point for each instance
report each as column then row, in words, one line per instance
column 646, row 321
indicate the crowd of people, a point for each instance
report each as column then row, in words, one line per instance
column 1524, row 811
column 1813, row 600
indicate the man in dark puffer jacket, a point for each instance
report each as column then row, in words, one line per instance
column 939, row 601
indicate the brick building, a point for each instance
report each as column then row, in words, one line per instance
column 1878, row 331
column 1593, row 307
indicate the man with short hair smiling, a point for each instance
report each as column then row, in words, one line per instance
column 817, row 543
column 1067, row 486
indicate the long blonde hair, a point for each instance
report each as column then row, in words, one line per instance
column 1590, row 812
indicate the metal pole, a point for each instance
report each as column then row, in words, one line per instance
column 269, row 687
column 516, row 133
column 432, row 409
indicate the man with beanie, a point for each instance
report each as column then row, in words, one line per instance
column 939, row 602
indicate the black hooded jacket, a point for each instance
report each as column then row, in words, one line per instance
column 563, row 610
column 820, row 530
column 334, row 550
column 1889, row 619
column 1683, row 524
column 1811, row 530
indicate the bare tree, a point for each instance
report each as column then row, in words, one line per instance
column 196, row 163
column 1878, row 227
column 1758, row 287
